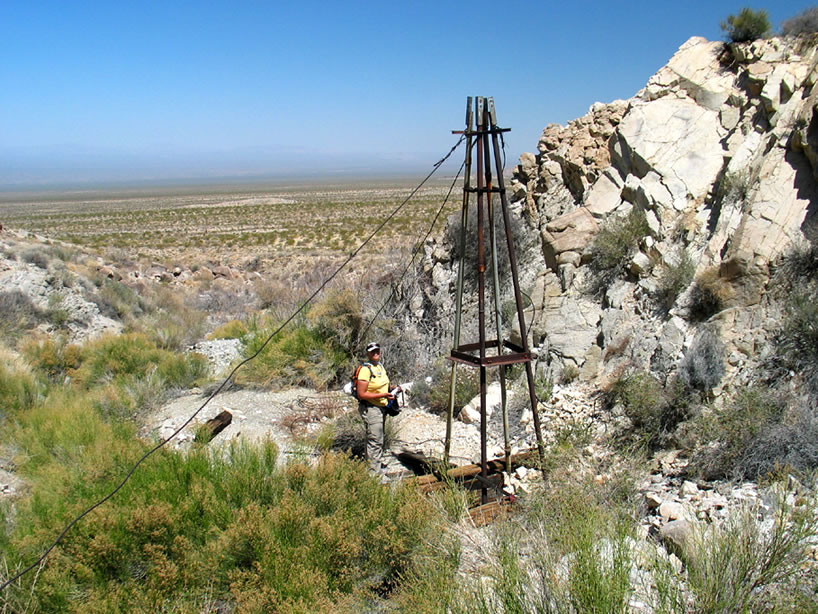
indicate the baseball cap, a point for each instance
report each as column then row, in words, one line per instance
column 372, row 347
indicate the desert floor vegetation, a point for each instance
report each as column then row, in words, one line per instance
column 226, row 221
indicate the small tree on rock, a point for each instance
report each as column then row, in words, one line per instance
column 748, row 25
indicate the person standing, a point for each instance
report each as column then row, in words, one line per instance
column 376, row 398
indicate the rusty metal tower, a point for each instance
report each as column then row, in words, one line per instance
column 496, row 352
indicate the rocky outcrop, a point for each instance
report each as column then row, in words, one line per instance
column 720, row 152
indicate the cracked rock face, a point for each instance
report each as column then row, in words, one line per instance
column 720, row 152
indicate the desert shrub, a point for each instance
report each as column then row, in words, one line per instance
column 120, row 359
column 234, row 329
column 569, row 373
column 709, row 296
column 183, row 370
column 55, row 312
column 797, row 341
column 803, row 23
column 654, row 411
column 641, row 397
column 569, row 552
column 338, row 317
column 297, row 356
column 799, row 266
column 280, row 297
column 735, row 186
column 116, row 300
column 702, row 366
column 172, row 323
column 790, row 443
column 732, row 567
column 130, row 397
column 18, row 312
column 61, row 252
column 725, row 436
column 435, row 395
column 543, row 387
column 796, row 286
column 19, row 388
column 35, row 256
column 259, row 535
column 222, row 301
column 612, row 248
column 675, row 278
column 53, row 357
column 748, row 25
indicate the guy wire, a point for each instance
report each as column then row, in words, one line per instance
column 415, row 252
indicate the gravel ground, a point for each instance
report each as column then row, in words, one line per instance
column 263, row 414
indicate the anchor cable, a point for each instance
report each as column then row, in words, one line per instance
column 415, row 252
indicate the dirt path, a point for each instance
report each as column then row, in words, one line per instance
column 277, row 415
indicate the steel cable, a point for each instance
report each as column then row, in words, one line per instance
column 415, row 252
column 303, row 306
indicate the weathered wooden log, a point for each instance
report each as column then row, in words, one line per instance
column 214, row 426
column 493, row 482
column 530, row 458
column 419, row 463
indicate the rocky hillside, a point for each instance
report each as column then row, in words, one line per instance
column 716, row 158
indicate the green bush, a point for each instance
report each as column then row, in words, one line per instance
column 435, row 395
column 569, row 553
column 796, row 342
column 613, row 247
column 54, row 357
column 674, row 279
column 116, row 300
column 724, row 446
column 803, row 23
column 238, row 528
column 654, row 411
column 297, row 356
column 799, row 266
column 234, row 329
column 19, row 389
column 339, row 319
column 796, row 288
column 733, row 568
column 748, row 25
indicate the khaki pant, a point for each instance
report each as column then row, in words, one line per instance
column 374, row 421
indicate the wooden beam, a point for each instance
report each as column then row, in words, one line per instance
column 529, row 458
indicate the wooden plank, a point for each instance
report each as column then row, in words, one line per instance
column 495, row 482
column 529, row 458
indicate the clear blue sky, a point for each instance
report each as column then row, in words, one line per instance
column 172, row 89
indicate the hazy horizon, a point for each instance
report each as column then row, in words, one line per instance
column 153, row 92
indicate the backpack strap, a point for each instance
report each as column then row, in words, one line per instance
column 361, row 366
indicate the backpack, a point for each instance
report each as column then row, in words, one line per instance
column 351, row 387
